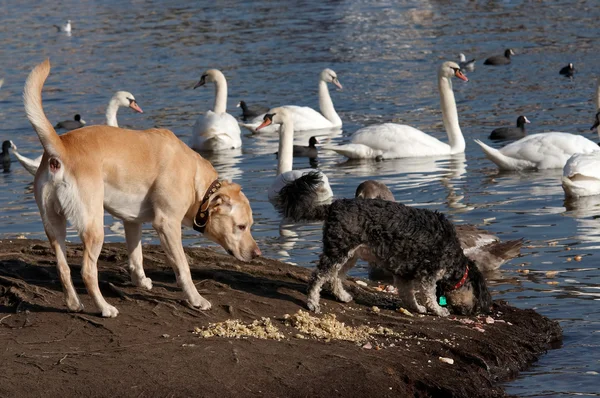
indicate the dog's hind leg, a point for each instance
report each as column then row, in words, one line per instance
column 133, row 236
column 408, row 293
column 92, row 237
column 56, row 231
column 169, row 233
column 337, row 286
column 327, row 270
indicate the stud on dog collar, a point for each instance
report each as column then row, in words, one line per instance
column 201, row 218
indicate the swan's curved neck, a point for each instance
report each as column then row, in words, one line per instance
column 220, row 94
column 450, row 116
column 111, row 112
column 326, row 105
column 286, row 147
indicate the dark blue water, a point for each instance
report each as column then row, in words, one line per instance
column 386, row 55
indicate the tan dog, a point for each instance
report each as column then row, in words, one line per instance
column 137, row 176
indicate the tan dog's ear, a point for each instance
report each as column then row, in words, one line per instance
column 220, row 203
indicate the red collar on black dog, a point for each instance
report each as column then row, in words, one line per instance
column 463, row 280
column 201, row 218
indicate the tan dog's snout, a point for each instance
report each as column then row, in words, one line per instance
column 256, row 252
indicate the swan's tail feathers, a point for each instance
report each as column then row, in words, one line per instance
column 297, row 200
column 32, row 97
column 502, row 161
column 355, row 151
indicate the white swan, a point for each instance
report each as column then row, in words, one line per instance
column 390, row 140
column 581, row 175
column 539, row 151
column 285, row 174
column 120, row 98
column 305, row 118
column 217, row 130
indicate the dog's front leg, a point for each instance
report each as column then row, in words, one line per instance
column 133, row 236
column 429, row 290
column 408, row 293
column 169, row 233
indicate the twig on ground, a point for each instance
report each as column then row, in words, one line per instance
column 119, row 292
column 92, row 322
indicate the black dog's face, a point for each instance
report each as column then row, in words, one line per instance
column 473, row 298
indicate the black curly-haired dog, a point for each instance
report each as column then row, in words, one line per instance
column 418, row 246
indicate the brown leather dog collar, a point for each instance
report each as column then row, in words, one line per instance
column 462, row 281
column 201, row 218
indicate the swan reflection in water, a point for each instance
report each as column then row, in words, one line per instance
column 505, row 187
column 268, row 143
column 227, row 163
column 586, row 212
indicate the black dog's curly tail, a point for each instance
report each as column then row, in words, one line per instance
column 298, row 199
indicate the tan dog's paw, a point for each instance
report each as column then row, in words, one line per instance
column 74, row 305
column 109, row 311
column 146, row 283
column 201, row 303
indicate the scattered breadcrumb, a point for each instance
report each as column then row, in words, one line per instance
column 404, row 311
column 260, row 329
column 329, row 328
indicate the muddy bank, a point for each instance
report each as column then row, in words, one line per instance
column 154, row 347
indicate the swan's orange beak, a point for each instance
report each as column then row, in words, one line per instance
column 338, row 84
column 461, row 75
column 267, row 121
column 133, row 105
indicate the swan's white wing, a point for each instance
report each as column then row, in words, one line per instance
column 549, row 150
column 399, row 140
column 355, row 151
column 581, row 175
column 585, row 164
column 303, row 118
column 216, row 132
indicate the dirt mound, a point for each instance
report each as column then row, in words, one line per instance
column 156, row 346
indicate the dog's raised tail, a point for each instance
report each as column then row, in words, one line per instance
column 32, row 97
column 297, row 200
